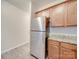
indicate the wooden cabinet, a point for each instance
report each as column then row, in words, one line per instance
column 57, row 15
column 68, row 51
column 53, row 50
column 72, row 13
column 59, row 50
column 64, row 14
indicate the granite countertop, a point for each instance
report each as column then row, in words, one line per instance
column 69, row 38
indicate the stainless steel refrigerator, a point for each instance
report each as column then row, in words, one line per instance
column 38, row 35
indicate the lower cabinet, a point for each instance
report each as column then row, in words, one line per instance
column 59, row 50
column 53, row 50
column 54, row 54
column 67, row 53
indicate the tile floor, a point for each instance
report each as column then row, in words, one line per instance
column 22, row 52
column 18, row 53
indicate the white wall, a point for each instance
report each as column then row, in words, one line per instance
column 15, row 25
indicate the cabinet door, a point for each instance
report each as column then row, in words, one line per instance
column 72, row 13
column 53, row 51
column 67, row 53
column 57, row 15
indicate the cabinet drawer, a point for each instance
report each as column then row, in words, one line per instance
column 69, row 46
column 52, row 42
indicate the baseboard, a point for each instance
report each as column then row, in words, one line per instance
column 7, row 50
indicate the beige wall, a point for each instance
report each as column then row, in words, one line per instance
column 15, row 26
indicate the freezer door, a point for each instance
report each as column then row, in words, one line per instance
column 38, row 44
column 39, row 24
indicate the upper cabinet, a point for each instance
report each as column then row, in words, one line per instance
column 57, row 15
column 72, row 13
column 64, row 14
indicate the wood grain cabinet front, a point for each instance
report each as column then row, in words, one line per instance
column 57, row 15
column 53, row 50
column 68, row 51
column 72, row 13
column 59, row 50
column 64, row 14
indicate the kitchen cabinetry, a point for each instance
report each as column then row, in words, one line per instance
column 72, row 13
column 67, row 54
column 68, row 51
column 59, row 50
column 64, row 14
column 57, row 15
column 53, row 50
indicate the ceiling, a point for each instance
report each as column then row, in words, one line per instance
column 24, row 4
column 40, row 3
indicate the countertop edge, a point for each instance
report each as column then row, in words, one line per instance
column 61, row 40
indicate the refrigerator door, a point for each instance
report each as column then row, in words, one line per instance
column 39, row 24
column 38, row 44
